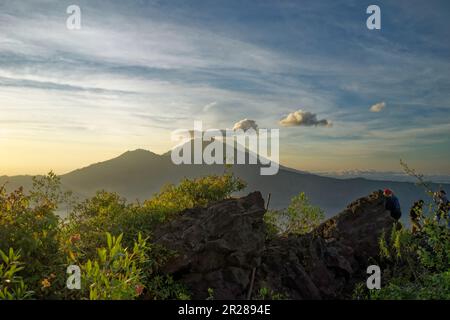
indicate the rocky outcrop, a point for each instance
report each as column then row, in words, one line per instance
column 217, row 246
column 220, row 246
column 327, row 263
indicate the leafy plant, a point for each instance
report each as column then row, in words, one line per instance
column 299, row 218
column 265, row 293
column 116, row 273
column 12, row 286
column 29, row 222
column 210, row 294
column 196, row 192
column 163, row 287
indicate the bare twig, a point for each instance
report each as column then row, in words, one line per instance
column 249, row 294
column 418, row 176
column 268, row 201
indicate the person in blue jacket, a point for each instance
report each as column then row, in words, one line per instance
column 392, row 204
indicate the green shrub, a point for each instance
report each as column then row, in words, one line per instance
column 12, row 286
column 163, row 287
column 299, row 218
column 193, row 193
column 28, row 222
column 116, row 273
column 415, row 266
column 265, row 293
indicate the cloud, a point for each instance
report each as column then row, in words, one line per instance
column 209, row 106
column 377, row 107
column 245, row 125
column 303, row 118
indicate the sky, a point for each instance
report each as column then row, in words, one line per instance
column 344, row 97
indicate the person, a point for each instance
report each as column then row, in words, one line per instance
column 442, row 205
column 392, row 204
column 415, row 215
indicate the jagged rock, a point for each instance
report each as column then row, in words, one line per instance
column 218, row 247
column 334, row 256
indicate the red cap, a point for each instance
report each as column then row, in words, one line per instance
column 387, row 192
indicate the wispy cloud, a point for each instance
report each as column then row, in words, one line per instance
column 143, row 69
column 209, row 106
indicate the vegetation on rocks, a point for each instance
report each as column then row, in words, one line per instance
column 300, row 217
column 107, row 237
column 414, row 266
column 122, row 251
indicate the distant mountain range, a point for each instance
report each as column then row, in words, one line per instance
column 139, row 174
column 383, row 175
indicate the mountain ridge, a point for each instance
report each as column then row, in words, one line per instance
column 138, row 174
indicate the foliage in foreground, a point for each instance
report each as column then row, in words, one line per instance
column 28, row 224
column 414, row 266
column 106, row 237
column 12, row 286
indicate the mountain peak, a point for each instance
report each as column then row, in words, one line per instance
column 137, row 153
